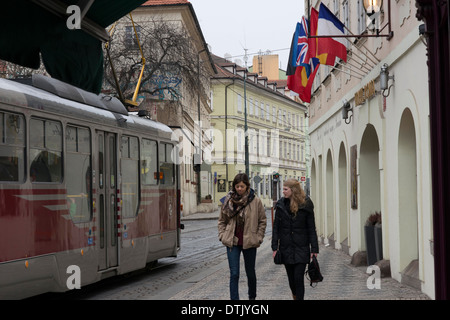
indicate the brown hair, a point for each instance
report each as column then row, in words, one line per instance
column 241, row 177
column 298, row 197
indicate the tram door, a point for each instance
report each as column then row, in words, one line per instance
column 107, row 199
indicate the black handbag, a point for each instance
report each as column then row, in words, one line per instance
column 277, row 259
column 313, row 272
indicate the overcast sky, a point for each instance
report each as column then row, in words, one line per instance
column 232, row 25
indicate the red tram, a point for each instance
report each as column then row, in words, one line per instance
column 82, row 183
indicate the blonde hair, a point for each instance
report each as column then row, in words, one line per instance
column 298, row 197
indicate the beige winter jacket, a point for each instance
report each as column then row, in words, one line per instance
column 254, row 226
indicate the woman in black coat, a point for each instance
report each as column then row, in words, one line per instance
column 295, row 230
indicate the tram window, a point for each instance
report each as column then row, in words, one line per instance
column 101, row 151
column 45, row 151
column 166, row 165
column 12, row 147
column 112, row 162
column 78, row 173
column 130, row 175
column 149, row 162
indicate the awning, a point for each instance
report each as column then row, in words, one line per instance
column 28, row 29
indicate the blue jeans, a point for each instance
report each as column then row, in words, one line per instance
column 234, row 255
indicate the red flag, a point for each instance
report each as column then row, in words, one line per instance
column 314, row 18
column 328, row 47
column 300, row 83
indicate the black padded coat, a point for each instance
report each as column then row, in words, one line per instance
column 297, row 235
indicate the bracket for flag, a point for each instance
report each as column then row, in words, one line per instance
column 389, row 35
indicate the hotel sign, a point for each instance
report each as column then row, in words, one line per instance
column 366, row 92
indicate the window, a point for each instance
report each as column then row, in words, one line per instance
column 262, row 142
column 274, row 138
column 78, row 173
column 240, row 142
column 274, row 114
column 45, row 151
column 211, row 99
column 166, row 165
column 256, row 108
column 130, row 37
column 12, row 147
column 262, row 110
column 336, row 8
column 267, row 112
column 149, row 162
column 361, row 17
column 345, row 10
column 239, row 103
column 289, row 155
column 250, row 107
column 130, row 175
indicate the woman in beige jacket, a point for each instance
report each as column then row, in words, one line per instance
column 242, row 224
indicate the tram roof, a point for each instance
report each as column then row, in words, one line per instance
column 30, row 28
column 52, row 95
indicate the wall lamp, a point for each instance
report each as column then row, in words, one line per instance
column 346, row 108
column 373, row 9
column 372, row 6
column 384, row 80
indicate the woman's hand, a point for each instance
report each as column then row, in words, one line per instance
column 273, row 254
column 314, row 254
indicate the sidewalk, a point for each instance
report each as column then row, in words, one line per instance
column 202, row 216
column 342, row 281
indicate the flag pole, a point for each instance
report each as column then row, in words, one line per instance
column 373, row 55
column 359, row 67
column 363, row 61
column 350, row 69
column 309, row 20
column 334, row 67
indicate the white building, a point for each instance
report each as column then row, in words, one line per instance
column 378, row 159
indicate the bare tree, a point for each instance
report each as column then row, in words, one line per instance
column 11, row 70
column 171, row 60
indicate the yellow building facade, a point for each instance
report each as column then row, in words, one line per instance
column 276, row 132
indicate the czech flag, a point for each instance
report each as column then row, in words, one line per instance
column 329, row 48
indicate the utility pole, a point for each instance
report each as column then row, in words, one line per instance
column 199, row 159
column 247, row 166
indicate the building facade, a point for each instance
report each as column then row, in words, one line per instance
column 277, row 132
column 181, row 103
column 370, row 142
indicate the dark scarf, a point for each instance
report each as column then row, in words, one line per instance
column 234, row 203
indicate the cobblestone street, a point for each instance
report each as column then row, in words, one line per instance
column 342, row 281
